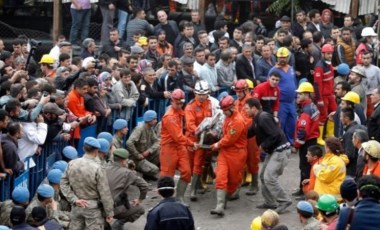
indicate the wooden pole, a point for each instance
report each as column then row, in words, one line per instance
column 57, row 19
column 202, row 7
column 354, row 8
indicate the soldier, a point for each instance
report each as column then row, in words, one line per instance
column 144, row 146
column 54, row 178
column 61, row 165
column 20, row 197
column 232, row 155
column 69, row 153
column 121, row 129
column 85, row 185
column 307, row 129
column 197, row 109
column 103, row 152
column 173, row 154
column 45, row 198
column 119, row 179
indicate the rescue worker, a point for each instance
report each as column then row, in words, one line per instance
column 196, row 110
column 144, row 146
column 287, row 112
column 120, row 178
column 272, row 140
column 324, row 87
column 268, row 93
column 169, row 214
column 253, row 155
column 121, row 129
column 173, row 153
column 85, row 185
column 232, row 154
column 371, row 157
column 307, row 130
column 20, row 197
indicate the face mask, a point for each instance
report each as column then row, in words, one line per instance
column 328, row 62
column 374, row 41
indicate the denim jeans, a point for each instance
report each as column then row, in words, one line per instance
column 80, row 22
column 122, row 23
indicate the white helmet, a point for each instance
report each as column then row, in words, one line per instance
column 368, row 31
column 201, row 87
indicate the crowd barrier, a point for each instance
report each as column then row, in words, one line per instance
column 31, row 177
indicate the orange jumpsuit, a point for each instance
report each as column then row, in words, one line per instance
column 173, row 153
column 195, row 112
column 233, row 153
column 310, row 186
column 253, row 157
column 75, row 103
column 375, row 171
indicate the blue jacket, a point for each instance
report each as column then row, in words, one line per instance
column 168, row 215
column 366, row 215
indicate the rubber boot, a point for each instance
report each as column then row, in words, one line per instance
column 254, row 187
column 180, row 193
column 221, row 198
column 234, row 196
column 194, row 184
column 330, row 128
column 320, row 140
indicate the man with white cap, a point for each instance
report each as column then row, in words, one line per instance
column 371, row 157
column 85, row 184
column 144, row 146
column 369, row 40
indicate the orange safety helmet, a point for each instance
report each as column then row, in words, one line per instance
column 327, row 48
column 227, row 103
column 178, row 95
column 240, row 85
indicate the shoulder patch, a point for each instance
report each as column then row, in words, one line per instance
column 302, row 122
column 232, row 131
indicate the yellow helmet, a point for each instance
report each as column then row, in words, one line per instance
column 143, row 41
column 352, row 97
column 249, row 83
column 305, row 87
column 282, row 52
column 47, row 59
column 256, row 223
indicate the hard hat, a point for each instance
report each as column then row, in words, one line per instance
column 282, row 52
column 227, row 103
column 178, row 95
column 250, row 84
column 20, row 194
column 327, row 48
column 327, row 203
column 54, row 176
column 372, row 148
column 352, row 97
column 256, row 223
column 104, row 145
column 343, row 69
column 70, row 152
column 305, row 87
column 240, row 85
column 270, row 218
column 305, row 206
column 47, row 59
column 149, row 115
column 201, row 87
column 359, row 70
column 368, row 31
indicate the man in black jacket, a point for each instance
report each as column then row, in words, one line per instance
column 373, row 123
column 271, row 140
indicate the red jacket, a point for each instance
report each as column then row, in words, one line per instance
column 323, row 80
column 307, row 126
column 374, row 171
column 269, row 97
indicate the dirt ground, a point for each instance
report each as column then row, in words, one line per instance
column 239, row 213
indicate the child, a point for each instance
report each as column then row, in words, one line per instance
column 313, row 156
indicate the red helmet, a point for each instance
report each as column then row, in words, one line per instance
column 227, row 103
column 178, row 95
column 240, row 85
column 327, row 48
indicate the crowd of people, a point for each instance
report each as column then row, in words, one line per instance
column 308, row 87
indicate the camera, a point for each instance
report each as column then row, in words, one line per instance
column 35, row 43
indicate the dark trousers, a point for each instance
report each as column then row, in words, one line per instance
column 305, row 166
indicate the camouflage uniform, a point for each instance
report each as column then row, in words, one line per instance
column 85, row 179
column 117, row 142
column 51, row 214
column 144, row 139
column 5, row 212
column 120, row 178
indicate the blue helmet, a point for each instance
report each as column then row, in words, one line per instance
column 343, row 69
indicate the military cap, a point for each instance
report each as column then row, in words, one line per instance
column 91, row 141
column 122, row 153
column 20, row 194
column 45, row 190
